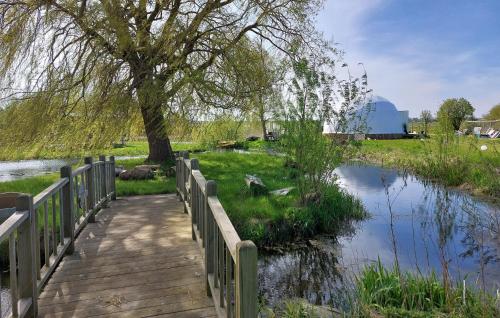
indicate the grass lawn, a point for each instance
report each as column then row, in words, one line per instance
column 466, row 166
column 132, row 148
column 269, row 219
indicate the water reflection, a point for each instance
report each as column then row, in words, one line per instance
column 434, row 229
column 311, row 272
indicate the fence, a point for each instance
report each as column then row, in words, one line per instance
column 230, row 264
column 71, row 202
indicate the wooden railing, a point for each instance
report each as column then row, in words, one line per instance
column 230, row 264
column 73, row 200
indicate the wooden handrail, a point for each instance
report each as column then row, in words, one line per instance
column 81, row 169
column 230, row 263
column 51, row 190
column 75, row 198
column 12, row 223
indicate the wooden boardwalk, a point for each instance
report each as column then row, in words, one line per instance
column 137, row 260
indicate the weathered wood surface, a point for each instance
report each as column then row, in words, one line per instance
column 137, row 260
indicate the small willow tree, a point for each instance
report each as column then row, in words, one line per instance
column 149, row 50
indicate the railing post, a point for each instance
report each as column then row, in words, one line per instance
column 104, row 194
column 211, row 190
column 194, row 198
column 68, row 213
column 112, row 174
column 246, row 280
column 178, row 174
column 90, row 189
column 185, row 155
column 26, row 255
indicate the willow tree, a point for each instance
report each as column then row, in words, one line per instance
column 149, row 49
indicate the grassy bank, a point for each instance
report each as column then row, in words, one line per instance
column 271, row 219
column 132, row 148
column 462, row 164
column 389, row 293
column 382, row 292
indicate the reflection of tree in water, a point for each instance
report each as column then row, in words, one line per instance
column 481, row 236
column 447, row 213
column 444, row 217
column 311, row 273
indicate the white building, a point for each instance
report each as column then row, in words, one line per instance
column 377, row 119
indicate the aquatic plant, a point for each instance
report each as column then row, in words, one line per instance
column 394, row 294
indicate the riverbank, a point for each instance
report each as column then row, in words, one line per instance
column 463, row 164
column 271, row 220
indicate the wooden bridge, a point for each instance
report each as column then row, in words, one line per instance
column 81, row 252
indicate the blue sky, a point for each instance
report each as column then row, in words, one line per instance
column 418, row 53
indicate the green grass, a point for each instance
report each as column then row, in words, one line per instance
column 389, row 293
column 466, row 165
column 295, row 308
column 132, row 148
column 268, row 219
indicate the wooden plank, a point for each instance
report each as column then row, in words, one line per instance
column 225, row 226
column 137, row 260
column 12, row 223
column 142, row 276
column 80, row 170
column 246, row 284
column 55, row 298
column 121, row 302
column 45, row 194
column 54, row 224
column 46, row 233
column 26, row 258
column 13, row 274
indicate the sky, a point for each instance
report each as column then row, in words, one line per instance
column 418, row 53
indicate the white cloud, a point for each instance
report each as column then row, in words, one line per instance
column 416, row 73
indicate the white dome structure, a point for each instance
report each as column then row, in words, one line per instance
column 379, row 119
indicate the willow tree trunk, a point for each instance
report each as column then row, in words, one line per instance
column 160, row 149
column 150, row 102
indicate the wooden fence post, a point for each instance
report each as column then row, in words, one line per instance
column 246, row 280
column 89, row 176
column 68, row 213
column 104, row 193
column 26, row 255
column 194, row 198
column 113, row 178
column 178, row 174
column 210, row 250
column 185, row 155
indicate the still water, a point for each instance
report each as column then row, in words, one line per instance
column 431, row 227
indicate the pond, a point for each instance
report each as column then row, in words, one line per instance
column 428, row 227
